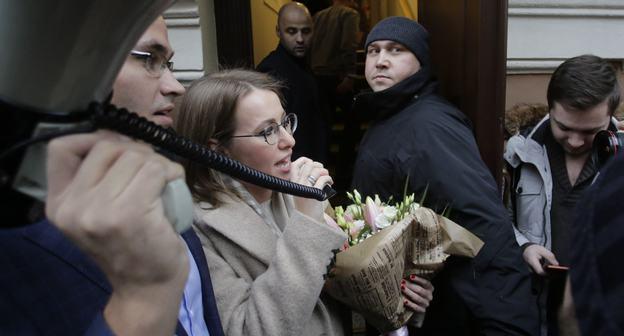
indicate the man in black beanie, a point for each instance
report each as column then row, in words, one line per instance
column 419, row 138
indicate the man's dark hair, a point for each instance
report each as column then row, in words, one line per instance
column 583, row 82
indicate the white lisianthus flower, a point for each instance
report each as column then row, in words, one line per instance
column 386, row 217
column 382, row 222
column 390, row 212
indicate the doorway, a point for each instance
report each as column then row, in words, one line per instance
column 468, row 44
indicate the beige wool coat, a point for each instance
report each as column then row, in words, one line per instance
column 269, row 283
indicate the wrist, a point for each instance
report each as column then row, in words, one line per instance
column 525, row 245
column 146, row 309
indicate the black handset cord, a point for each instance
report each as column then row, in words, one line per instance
column 107, row 116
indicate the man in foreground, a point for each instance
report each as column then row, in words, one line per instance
column 123, row 270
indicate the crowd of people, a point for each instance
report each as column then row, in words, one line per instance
column 107, row 261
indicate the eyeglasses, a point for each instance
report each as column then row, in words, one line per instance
column 271, row 132
column 154, row 63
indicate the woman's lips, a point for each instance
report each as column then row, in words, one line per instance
column 284, row 165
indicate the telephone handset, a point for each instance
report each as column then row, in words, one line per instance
column 178, row 204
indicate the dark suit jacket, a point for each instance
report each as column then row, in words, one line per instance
column 49, row 287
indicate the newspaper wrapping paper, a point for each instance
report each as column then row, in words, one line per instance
column 367, row 276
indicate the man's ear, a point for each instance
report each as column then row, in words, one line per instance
column 277, row 32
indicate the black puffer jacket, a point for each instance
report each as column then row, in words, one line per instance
column 419, row 136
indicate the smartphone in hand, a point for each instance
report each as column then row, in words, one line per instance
column 556, row 269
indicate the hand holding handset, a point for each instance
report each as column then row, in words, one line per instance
column 31, row 180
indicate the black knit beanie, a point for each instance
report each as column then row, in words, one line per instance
column 405, row 31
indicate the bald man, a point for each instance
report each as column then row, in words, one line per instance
column 288, row 64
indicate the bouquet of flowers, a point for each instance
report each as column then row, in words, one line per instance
column 387, row 243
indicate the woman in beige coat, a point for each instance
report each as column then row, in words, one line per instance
column 267, row 252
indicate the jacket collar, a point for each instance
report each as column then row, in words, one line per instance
column 531, row 148
column 383, row 104
column 211, row 317
column 538, row 132
column 239, row 223
column 302, row 62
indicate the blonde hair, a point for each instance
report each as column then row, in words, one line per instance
column 207, row 113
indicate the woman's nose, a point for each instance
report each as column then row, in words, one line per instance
column 286, row 139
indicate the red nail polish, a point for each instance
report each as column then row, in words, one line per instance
column 402, row 287
column 405, row 302
column 412, row 277
column 402, row 281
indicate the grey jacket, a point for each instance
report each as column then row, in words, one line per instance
column 534, row 188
